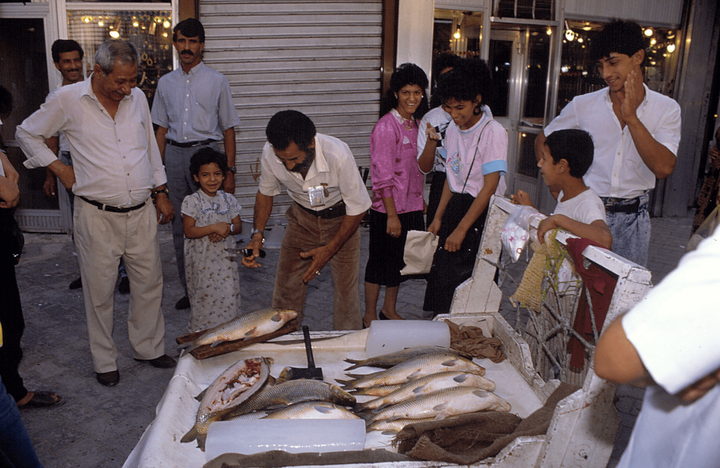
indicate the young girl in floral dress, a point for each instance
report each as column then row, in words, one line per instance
column 210, row 219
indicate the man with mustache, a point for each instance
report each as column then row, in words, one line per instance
column 117, row 175
column 636, row 132
column 193, row 109
column 329, row 201
column 67, row 56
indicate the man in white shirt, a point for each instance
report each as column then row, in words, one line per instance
column 193, row 109
column 116, row 170
column 636, row 133
column 330, row 199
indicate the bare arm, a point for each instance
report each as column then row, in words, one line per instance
column 442, row 205
column 161, row 137
column 229, row 142
column 539, row 143
column 9, row 169
column 262, row 211
column 9, row 193
column 322, row 255
column 394, row 227
column 65, row 173
column 597, row 231
column 50, row 185
column 660, row 160
column 616, row 358
column 427, row 157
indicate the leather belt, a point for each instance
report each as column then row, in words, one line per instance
column 114, row 209
column 333, row 212
column 189, row 144
column 621, row 205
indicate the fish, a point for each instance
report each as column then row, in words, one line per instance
column 428, row 384
column 442, row 405
column 412, row 369
column 292, row 392
column 251, row 325
column 233, row 386
column 379, row 391
column 312, row 410
column 394, row 426
column 387, row 361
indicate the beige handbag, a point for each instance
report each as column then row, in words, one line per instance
column 420, row 249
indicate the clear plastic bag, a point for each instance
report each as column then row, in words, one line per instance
column 515, row 233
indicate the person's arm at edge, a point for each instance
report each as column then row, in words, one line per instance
column 49, row 186
column 229, row 142
column 427, row 156
column 617, row 360
column 161, row 137
column 442, row 205
column 10, row 171
column 9, row 193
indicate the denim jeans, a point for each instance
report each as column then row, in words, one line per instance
column 16, row 448
column 631, row 232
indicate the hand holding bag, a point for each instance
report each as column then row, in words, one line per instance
column 420, row 248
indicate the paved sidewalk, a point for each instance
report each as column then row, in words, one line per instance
column 99, row 426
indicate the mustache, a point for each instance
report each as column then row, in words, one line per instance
column 187, row 52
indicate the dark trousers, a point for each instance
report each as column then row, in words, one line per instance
column 11, row 315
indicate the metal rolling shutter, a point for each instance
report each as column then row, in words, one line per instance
column 319, row 57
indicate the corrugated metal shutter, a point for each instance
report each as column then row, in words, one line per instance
column 319, row 57
column 667, row 13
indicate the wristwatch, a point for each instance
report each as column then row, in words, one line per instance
column 232, row 169
column 232, row 228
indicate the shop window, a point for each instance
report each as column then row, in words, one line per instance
column 526, row 9
column 579, row 76
column 458, row 32
column 150, row 31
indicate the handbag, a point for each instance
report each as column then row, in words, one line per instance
column 420, row 247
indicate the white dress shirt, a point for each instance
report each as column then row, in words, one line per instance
column 617, row 169
column 116, row 161
column 334, row 168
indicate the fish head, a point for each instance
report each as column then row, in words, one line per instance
column 284, row 315
column 341, row 397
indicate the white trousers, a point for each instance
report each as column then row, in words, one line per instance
column 101, row 239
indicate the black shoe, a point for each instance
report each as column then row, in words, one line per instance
column 77, row 284
column 124, row 287
column 163, row 362
column 108, row 379
column 183, row 303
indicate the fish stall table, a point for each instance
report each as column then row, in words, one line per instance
column 160, row 444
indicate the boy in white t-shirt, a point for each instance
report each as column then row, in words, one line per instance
column 567, row 155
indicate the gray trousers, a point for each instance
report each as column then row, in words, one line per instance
column 181, row 184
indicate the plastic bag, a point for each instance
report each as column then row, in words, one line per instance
column 515, row 233
column 705, row 230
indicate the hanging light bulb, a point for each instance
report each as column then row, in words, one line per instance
column 114, row 34
column 649, row 32
column 671, row 48
column 548, row 32
column 457, row 34
column 166, row 24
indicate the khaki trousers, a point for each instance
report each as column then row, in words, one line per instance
column 101, row 239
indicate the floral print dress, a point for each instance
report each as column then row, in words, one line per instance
column 213, row 278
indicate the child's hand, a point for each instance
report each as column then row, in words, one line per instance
column 547, row 224
column 220, row 232
column 432, row 133
column 521, row 198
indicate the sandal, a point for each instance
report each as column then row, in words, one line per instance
column 43, row 399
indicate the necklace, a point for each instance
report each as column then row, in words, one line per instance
column 408, row 125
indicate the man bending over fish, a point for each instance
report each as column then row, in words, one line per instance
column 330, row 199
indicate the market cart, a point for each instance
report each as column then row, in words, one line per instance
column 583, row 427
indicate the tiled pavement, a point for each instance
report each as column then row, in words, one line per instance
column 98, row 426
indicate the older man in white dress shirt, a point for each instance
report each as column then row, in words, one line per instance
column 116, row 171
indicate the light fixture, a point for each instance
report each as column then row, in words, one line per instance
column 135, row 24
column 548, row 32
column 457, row 34
column 649, row 32
column 166, row 24
column 653, row 41
column 671, row 48
column 114, row 34
column 580, row 40
column 569, row 33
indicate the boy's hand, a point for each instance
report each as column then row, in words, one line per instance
column 521, row 198
column 547, row 224
column 432, row 133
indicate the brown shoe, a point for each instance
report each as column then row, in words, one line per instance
column 108, row 379
column 163, row 362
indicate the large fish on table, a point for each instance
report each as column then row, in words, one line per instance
column 235, row 385
column 292, row 392
column 312, row 410
column 251, row 325
column 387, row 361
column 414, row 369
column 428, row 384
column 441, row 405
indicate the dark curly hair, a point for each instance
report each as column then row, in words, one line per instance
column 207, row 156
column 621, row 37
column 406, row 74
column 573, row 145
column 466, row 81
column 290, row 126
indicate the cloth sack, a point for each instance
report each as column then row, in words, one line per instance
column 420, row 248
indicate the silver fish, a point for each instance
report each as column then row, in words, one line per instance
column 442, row 404
column 312, row 410
column 428, row 384
column 235, row 385
column 292, row 392
column 388, row 427
column 251, row 325
column 387, row 361
column 414, row 369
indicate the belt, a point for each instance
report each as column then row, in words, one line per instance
column 621, row 205
column 334, row 211
column 114, row 209
column 189, row 144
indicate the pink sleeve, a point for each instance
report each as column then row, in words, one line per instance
column 383, row 150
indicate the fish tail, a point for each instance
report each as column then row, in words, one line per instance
column 355, row 376
column 355, row 364
column 189, row 346
column 201, row 438
column 190, row 436
column 368, row 417
column 345, row 384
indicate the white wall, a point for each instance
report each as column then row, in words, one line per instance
column 415, row 32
